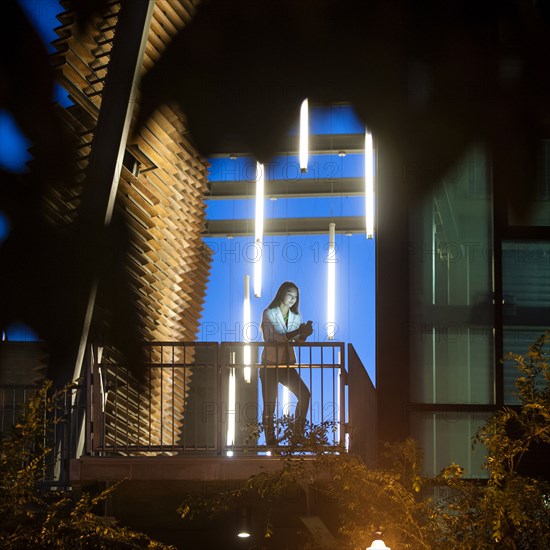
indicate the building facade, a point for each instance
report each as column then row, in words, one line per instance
column 462, row 281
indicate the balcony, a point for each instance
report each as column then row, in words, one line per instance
column 196, row 414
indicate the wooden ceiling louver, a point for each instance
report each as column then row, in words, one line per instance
column 162, row 204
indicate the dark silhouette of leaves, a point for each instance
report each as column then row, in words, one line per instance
column 514, row 429
column 48, row 271
column 85, row 9
column 27, row 91
column 238, row 69
column 428, row 78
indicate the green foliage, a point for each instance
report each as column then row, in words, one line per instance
column 387, row 498
column 295, row 437
column 512, row 432
column 365, row 499
column 510, row 510
column 32, row 516
column 298, row 448
column 507, row 511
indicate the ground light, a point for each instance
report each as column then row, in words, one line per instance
column 378, row 543
column 244, row 530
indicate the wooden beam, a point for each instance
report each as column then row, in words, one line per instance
column 285, row 226
column 318, row 144
column 245, row 189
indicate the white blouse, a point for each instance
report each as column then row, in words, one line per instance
column 274, row 329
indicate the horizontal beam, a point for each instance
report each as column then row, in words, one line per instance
column 319, row 144
column 284, row 226
column 184, row 468
column 321, row 187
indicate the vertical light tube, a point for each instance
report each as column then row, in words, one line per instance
column 369, row 185
column 304, row 135
column 285, row 402
column 259, row 228
column 331, row 282
column 231, row 403
column 246, row 328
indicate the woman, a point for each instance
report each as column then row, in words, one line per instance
column 282, row 323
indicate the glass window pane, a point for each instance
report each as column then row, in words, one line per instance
column 446, row 437
column 453, row 364
column 526, row 296
column 451, row 288
column 540, row 212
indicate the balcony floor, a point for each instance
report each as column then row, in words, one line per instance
column 86, row 470
column 155, row 486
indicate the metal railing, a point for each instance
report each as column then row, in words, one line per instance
column 56, row 430
column 13, row 405
column 203, row 398
column 209, row 397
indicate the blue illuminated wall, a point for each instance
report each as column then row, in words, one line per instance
column 298, row 258
column 288, row 257
column 14, row 145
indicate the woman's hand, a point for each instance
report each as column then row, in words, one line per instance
column 301, row 333
column 306, row 329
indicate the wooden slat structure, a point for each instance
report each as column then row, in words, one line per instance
column 160, row 193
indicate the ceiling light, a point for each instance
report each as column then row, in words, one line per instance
column 259, row 228
column 304, row 135
column 369, row 185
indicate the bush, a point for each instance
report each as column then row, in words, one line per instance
column 34, row 516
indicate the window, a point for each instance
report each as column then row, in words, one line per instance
column 451, row 334
column 526, row 301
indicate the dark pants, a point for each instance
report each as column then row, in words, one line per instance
column 271, row 376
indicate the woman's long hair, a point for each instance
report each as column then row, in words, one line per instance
column 283, row 289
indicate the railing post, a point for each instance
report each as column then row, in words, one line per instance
column 343, row 403
column 220, row 396
column 96, row 415
column 88, row 390
column 89, row 396
column 76, row 406
column 362, row 410
column 72, row 423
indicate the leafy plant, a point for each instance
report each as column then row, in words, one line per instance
column 34, row 516
column 365, row 499
column 511, row 510
column 507, row 511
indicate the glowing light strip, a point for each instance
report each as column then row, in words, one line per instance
column 259, row 228
column 304, row 135
column 246, row 328
column 285, row 402
column 231, row 402
column 369, row 185
column 331, row 283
